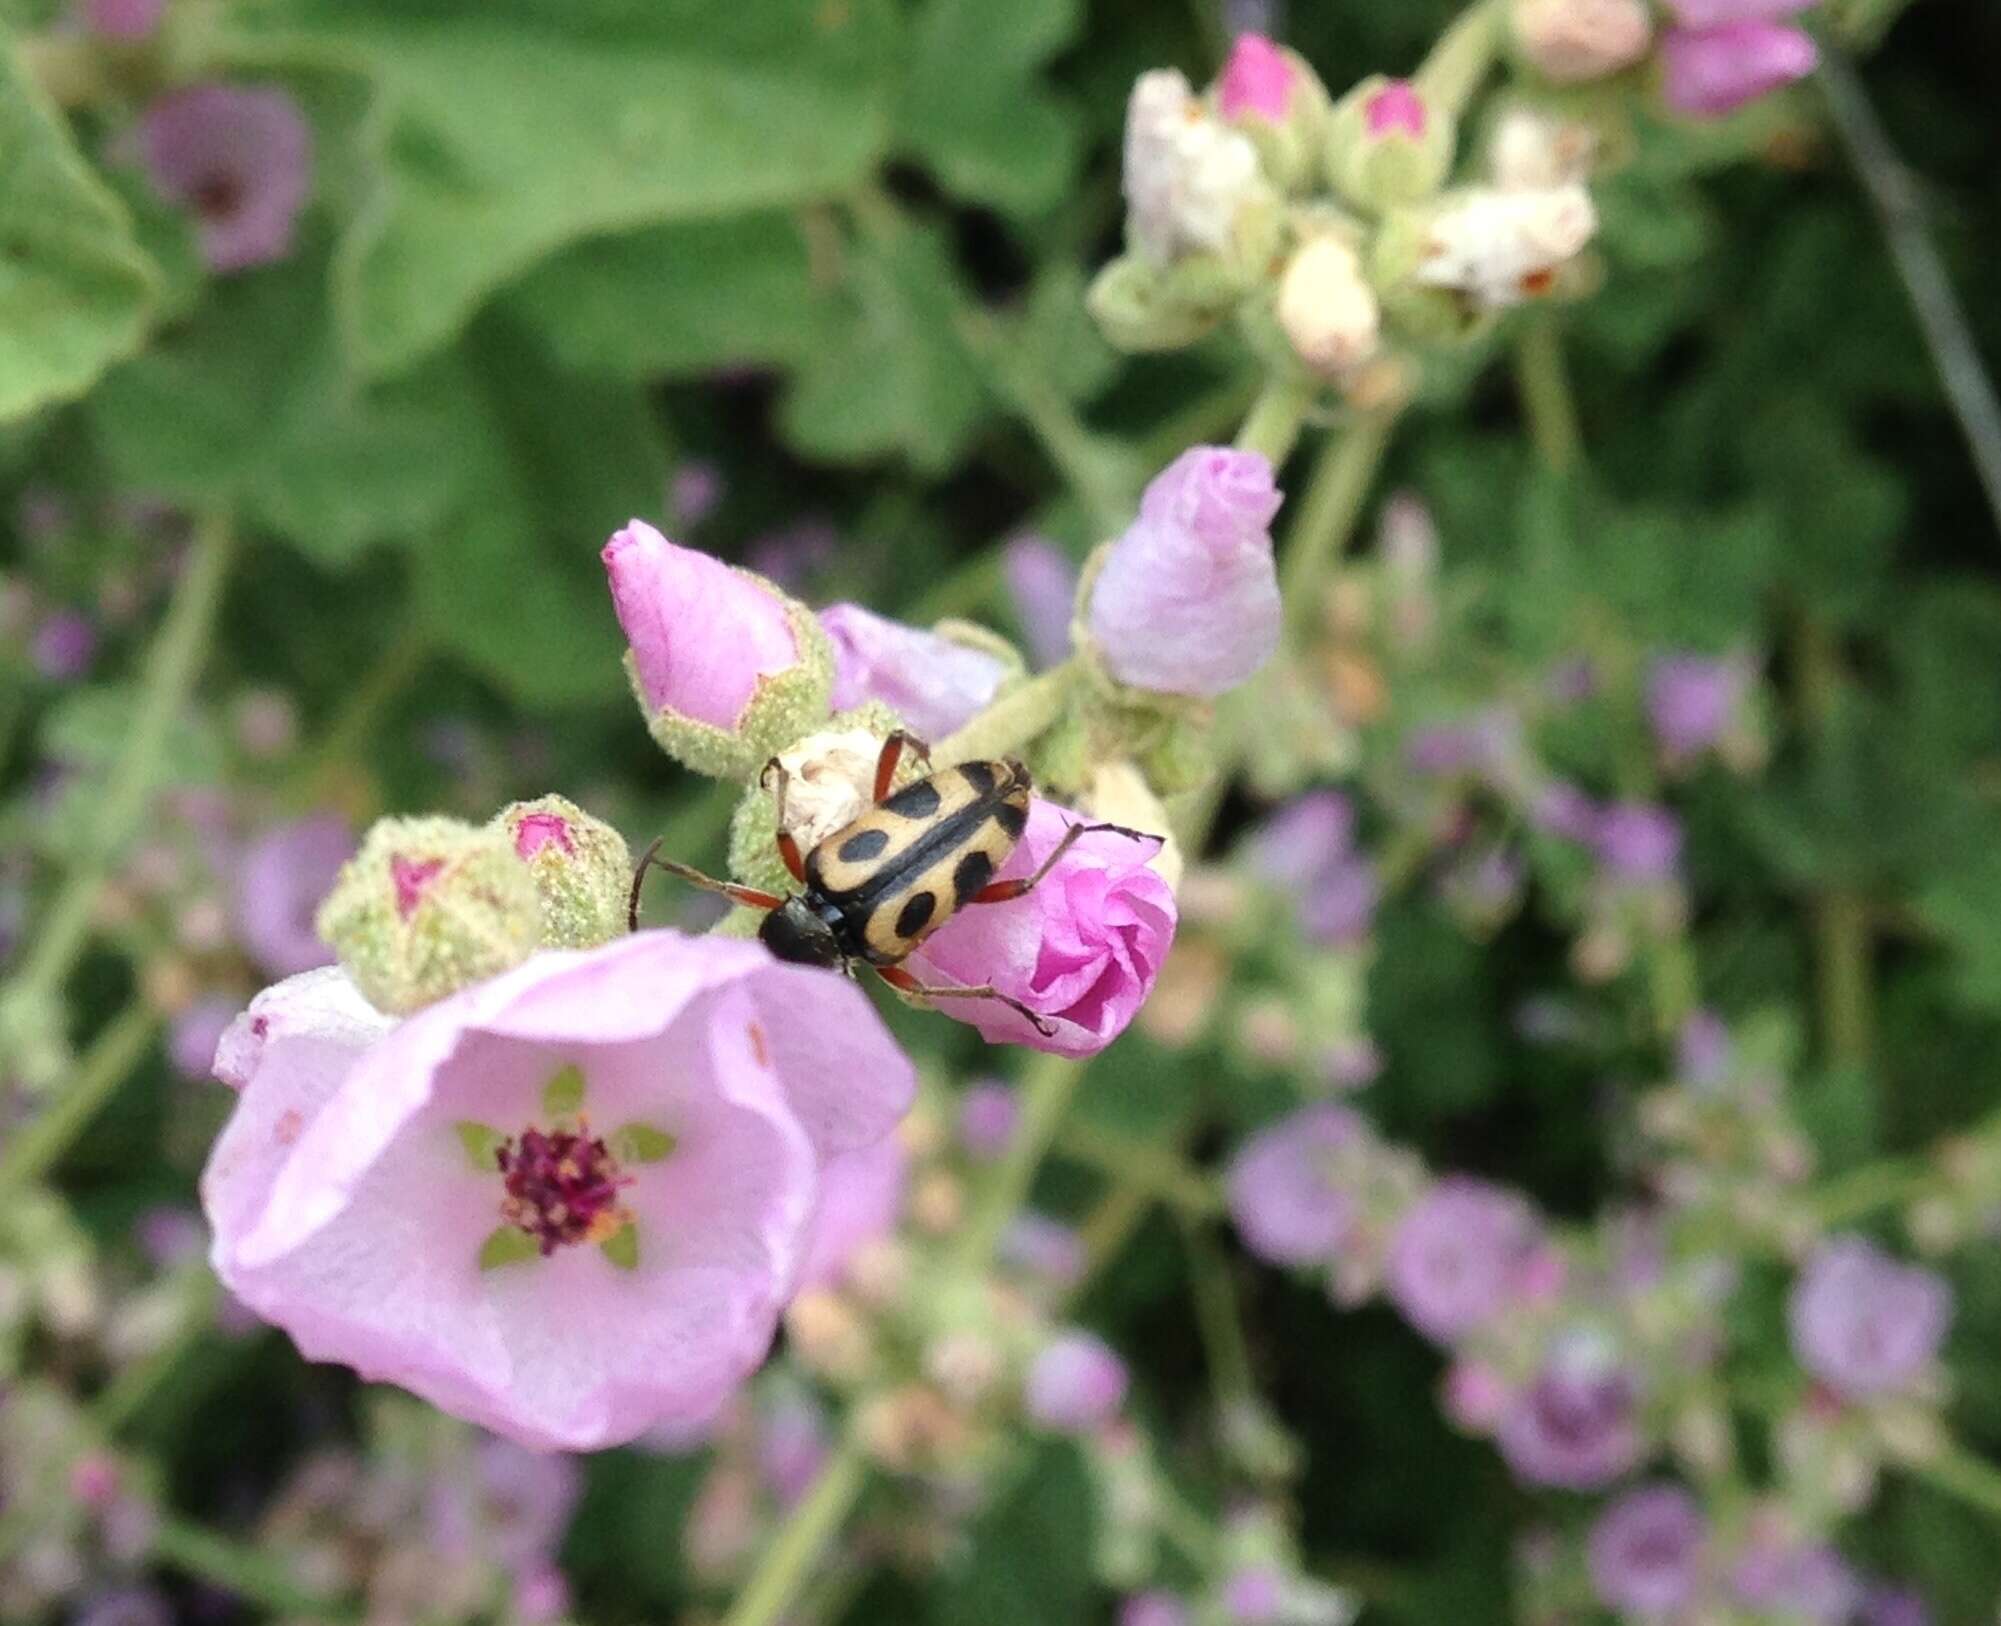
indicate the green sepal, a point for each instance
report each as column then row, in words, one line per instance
column 482, row 1143
column 642, row 1143
column 563, row 1095
column 510, row 1245
column 622, row 1248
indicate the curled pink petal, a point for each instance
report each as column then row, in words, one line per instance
column 1708, row 72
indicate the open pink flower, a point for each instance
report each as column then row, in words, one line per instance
column 1081, row 950
column 703, row 634
column 1187, row 600
column 241, row 158
column 861, row 1198
column 567, row 1203
column 933, row 683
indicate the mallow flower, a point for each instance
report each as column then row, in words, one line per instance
column 283, row 876
column 1576, row 1423
column 1646, row 1551
column 1723, row 53
column 241, row 158
column 1081, row 949
column 1864, row 1323
column 1285, row 1194
column 1457, row 1256
column 727, row 669
column 934, row 683
column 1186, row 601
column 566, row 1203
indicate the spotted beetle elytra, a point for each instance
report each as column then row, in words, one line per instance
column 874, row 890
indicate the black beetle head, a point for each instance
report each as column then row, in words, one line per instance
column 794, row 932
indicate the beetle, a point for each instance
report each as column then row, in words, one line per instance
column 874, row 890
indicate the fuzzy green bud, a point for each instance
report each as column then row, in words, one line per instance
column 1140, row 306
column 429, row 906
column 1387, row 145
column 581, row 867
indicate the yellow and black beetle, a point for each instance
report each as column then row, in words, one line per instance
column 874, row 890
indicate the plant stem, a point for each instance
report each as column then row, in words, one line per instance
column 1335, row 492
column 253, row 1574
column 349, row 731
column 1276, row 417
column 1155, row 1171
column 1216, row 1317
column 1545, row 391
column 1884, row 1184
column 807, row 1529
column 1958, row 1472
column 113, row 1055
column 1012, row 722
column 171, row 667
column 1461, row 58
column 1841, row 940
column 1048, row 1083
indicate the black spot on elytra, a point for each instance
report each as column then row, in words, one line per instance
column 980, row 775
column 918, row 801
column 916, row 914
column 862, row 846
column 972, row 872
column 1012, row 817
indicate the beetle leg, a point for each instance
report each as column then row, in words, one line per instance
column 651, row 859
column 901, row 979
column 1002, row 891
column 788, row 844
column 892, row 754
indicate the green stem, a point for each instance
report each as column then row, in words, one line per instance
column 1156, row 1171
column 1276, row 417
column 1335, row 493
column 254, row 1574
column 171, row 667
column 1886, row 1184
column 1544, row 385
column 1958, row 1472
column 349, row 732
column 808, row 1528
column 1842, row 946
column 1203, row 421
column 113, row 1055
column 1047, row 1085
column 1217, row 1318
column 1461, row 58
column 1013, row 722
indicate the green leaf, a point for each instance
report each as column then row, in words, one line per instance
column 510, row 1245
column 564, row 1093
column 482, row 1143
column 974, row 106
column 680, row 300
column 894, row 374
column 622, row 1247
column 303, row 448
column 509, row 128
column 76, row 291
column 642, row 1143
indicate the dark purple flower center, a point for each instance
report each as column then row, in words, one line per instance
column 562, row 1188
column 218, row 195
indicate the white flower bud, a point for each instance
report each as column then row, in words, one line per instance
column 1570, row 41
column 1327, row 309
column 1533, row 150
column 1500, row 248
column 1188, row 176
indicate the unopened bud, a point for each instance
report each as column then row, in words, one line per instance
column 429, row 906
column 1278, row 101
column 1327, row 309
column 1193, row 185
column 1533, row 150
column 1497, row 249
column 580, row 865
column 1387, row 145
column 1571, row 41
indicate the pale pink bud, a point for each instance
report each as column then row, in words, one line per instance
column 1708, row 72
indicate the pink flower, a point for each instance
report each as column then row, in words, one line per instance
column 1707, row 72
column 704, row 636
column 242, row 159
column 861, row 1198
column 1863, row 1322
column 1042, row 584
column 122, row 19
column 1076, row 1384
column 1719, row 13
column 285, row 874
column 1457, row 1256
column 566, row 1203
column 1396, row 109
column 933, row 683
column 1286, row 1196
column 1257, row 80
column 1081, row 950
column 1187, row 600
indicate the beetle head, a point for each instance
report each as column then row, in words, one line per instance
column 795, row 933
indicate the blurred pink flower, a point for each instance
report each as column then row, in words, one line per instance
column 1575, row 1425
column 1257, row 80
column 240, row 158
column 1646, row 1551
column 1282, row 1190
column 861, row 1198
column 1862, row 1321
column 1042, row 582
column 1081, row 950
column 285, row 874
column 1718, row 13
column 1186, row 601
column 1707, row 72
column 687, row 1093
column 122, row 19
column 1457, row 1256
column 933, row 683
column 1077, row 1383
column 703, row 634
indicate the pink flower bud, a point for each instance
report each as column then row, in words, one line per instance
column 1257, row 81
column 1708, row 72
column 1187, row 599
column 1081, row 950
column 1076, row 1384
column 1395, row 109
column 1572, row 41
column 932, row 682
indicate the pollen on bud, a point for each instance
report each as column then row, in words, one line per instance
column 1571, row 42
column 1326, row 308
column 581, row 867
column 1387, row 145
column 427, row 907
